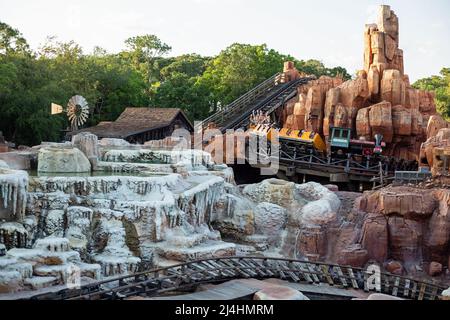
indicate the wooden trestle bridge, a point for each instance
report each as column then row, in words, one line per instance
column 189, row 275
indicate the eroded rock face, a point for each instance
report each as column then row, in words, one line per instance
column 272, row 190
column 380, row 100
column 58, row 159
column 408, row 225
column 270, row 220
column 88, row 144
column 13, row 194
column 435, row 151
column 281, row 218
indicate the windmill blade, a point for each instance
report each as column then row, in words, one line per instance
column 77, row 111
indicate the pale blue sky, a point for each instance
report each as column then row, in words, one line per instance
column 331, row 31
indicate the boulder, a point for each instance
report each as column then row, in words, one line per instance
column 331, row 101
column 113, row 142
column 412, row 99
column 434, row 269
column 10, row 281
column 354, row 93
column 314, row 108
column 19, row 160
column 405, row 238
column 62, row 160
column 279, row 293
column 435, row 124
column 375, row 237
column 3, row 165
column 274, row 191
column 401, row 120
column 362, row 123
column 354, row 256
column 446, row 294
column 393, row 88
column 394, row 267
column 88, row 144
column 373, row 78
column 426, row 102
column 341, row 117
column 438, row 237
column 416, row 122
column 407, row 202
column 270, row 219
column 381, row 296
column 380, row 120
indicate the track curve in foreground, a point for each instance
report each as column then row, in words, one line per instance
column 190, row 274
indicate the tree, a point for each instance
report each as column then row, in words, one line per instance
column 12, row 41
column 317, row 68
column 441, row 86
column 179, row 86
column 183, row 92
column 192, row 65
column 143, row 52
column 239, row 68
column 141, row 75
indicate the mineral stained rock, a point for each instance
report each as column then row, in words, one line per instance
column 13, row 194
column 62, row 160
column 158, row 209
column 435, row 152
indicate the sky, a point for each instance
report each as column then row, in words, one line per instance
column 330, row 31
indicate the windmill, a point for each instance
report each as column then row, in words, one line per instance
column 77, row 111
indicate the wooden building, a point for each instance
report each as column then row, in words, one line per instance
column 138, row 125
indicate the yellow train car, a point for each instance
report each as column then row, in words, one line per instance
column 301, row 137
column 304, row 137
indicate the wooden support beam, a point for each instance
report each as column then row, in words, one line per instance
column 352, row 278
column 341, row 276
column 414, row 290
column 423, row 287
column 395, row 288
column 406, row 291
column 326, row 274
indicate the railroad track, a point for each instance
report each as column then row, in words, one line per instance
column 191, row 274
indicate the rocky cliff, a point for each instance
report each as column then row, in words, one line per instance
column 380, row 100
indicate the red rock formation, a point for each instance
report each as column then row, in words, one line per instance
column 379, row 100
column 435, row 152
column 403, row 229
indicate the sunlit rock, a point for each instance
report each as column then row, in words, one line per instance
column 62, row 159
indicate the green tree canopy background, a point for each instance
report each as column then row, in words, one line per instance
column 142, row 75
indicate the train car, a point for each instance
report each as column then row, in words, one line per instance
column 305, row 141
column 342, row 144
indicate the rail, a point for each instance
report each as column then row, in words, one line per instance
column 249, row 96
column 190, row 274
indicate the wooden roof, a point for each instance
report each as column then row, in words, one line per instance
column 133, row 121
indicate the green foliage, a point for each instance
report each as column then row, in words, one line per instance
column 317, row 68
column 12, row 41
column 239, row 68
column 141, row 75
column 143, row 53
column 441, row 86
